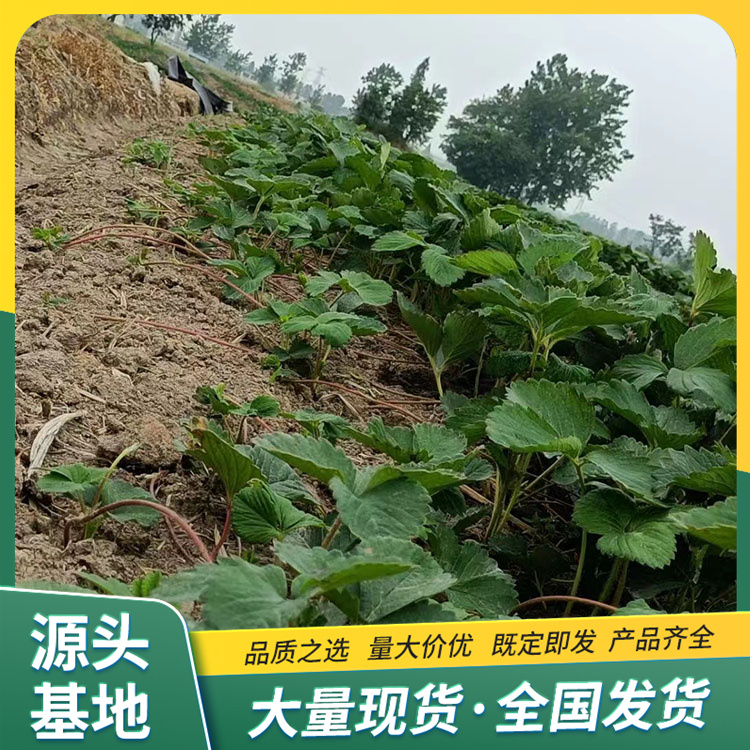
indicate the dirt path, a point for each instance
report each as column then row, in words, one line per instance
column 135, row 383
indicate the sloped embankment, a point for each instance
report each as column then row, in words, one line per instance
column 67, row 75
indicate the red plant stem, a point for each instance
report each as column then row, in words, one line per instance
column 412, row 399
column 224, row 533
column 361, row 353
column 406, row 349
column 177, row 329
column 126, row 235
column 131, row 227
column 562, row 598
column 170, row 529
column 176, row 541
column 404, row 336
column 361, row 394
column 331, row 533
column 166, row 512
column 348, row 388
column 215, row 276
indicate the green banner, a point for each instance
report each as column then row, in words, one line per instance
column 665, row 704
column 94, row 668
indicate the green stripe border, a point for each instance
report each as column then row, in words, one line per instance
column 8, row 451
column 743, row 543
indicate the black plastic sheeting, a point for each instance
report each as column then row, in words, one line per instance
column 211, row 103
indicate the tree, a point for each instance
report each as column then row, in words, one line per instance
column 417, row 109
column 316, row 95
column 313, row 95
column 403, row 114
column 239, row 62
column 290, row 71
column 551, row 139
column 373, row 103
column 666, row 237
column 265, row 73
column 209, row 37
column 627, row 236
column 333, row 104
column 163, row 23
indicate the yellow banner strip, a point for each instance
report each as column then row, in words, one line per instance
column 471, row 644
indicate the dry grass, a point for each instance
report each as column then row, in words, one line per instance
column 65, row 74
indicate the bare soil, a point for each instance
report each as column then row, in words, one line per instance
column 135, row 384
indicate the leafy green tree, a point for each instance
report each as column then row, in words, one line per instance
column 265, row 73
column 290, row 71
column 208, row 36
column 159, row 24
column 373, row 103
column 555, row 137
column 418, row 108
column 315, row 96
column 239, row 62
column 333, row 104
column 405, row 114
column 666, row 242
column 666, row 236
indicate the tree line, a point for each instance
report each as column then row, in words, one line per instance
column 556, row 136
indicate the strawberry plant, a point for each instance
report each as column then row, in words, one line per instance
column 364, row 561
column 584, row 438
column 321, row 325
column 149, row 151
column 459, row 336
column 52, row 237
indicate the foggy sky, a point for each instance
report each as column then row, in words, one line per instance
column 682, row 69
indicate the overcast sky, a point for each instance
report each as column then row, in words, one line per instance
column 682, row 69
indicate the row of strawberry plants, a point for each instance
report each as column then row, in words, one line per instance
column 556, row 374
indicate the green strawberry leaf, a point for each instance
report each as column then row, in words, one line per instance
column 541, row 416
column 234, row 594
column 480, row 585
column 371, row 291
column 716, row 524
column 281, row 477
column 486, row 262
column 260, row 515
column 313, row 456
column 395, row 508
column 645, row 535
column 700, row 470
column 637, row 608
column 663, row 426
column 438, row 265
column 230, row 462
column 324, row 569
column 713, row 385
column 115, row 490
column 699, row 343
column 383, row 597
column 425, row 326
column 480, row 231
column 394, row 242
column 640, row 370
column 714, row 292
column 76, row 481
column 630, row 468
column 463, row 334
